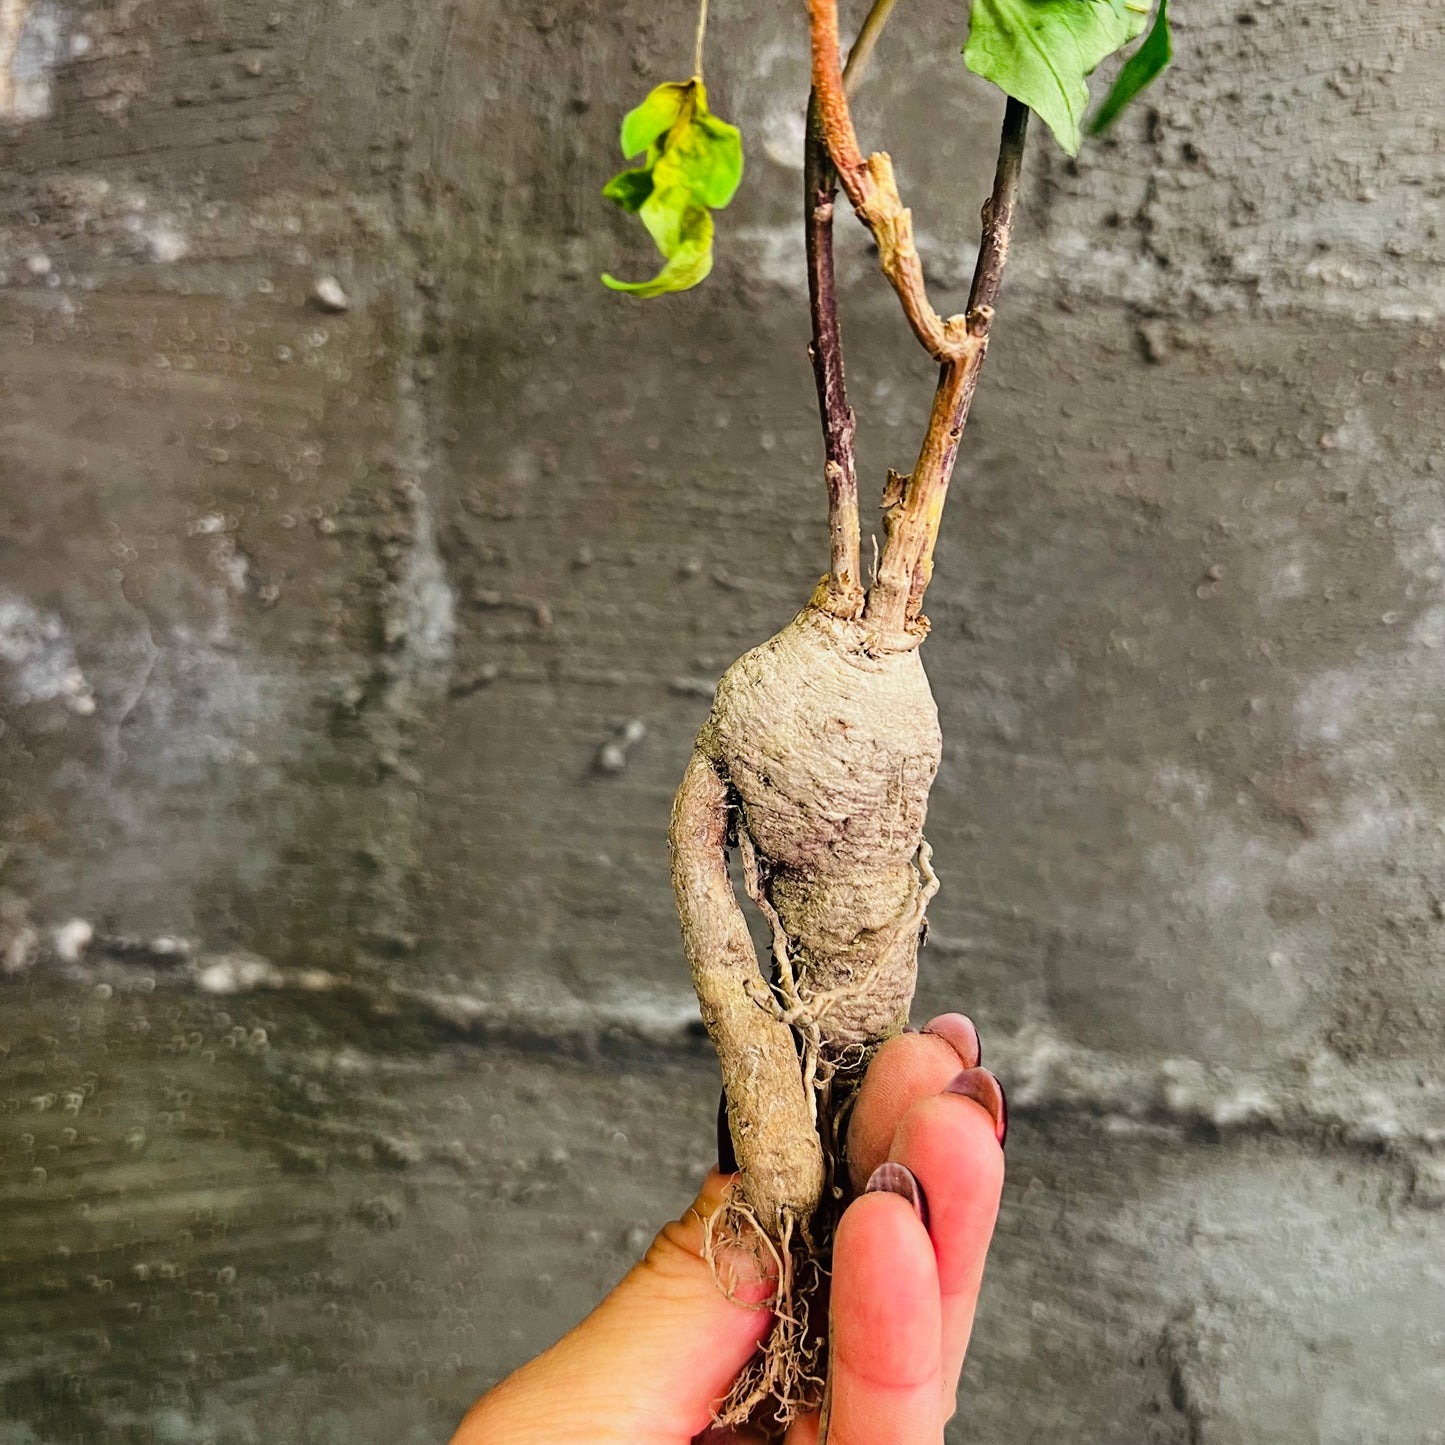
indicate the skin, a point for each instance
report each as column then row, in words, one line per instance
column 650, row 1363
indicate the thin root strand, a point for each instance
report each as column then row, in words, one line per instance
column 785, row 1378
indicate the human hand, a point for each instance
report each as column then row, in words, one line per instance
column 651, row 1363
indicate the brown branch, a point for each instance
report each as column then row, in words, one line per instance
column 828, row 87
column 820, row 190
column 998, row 210
column 873, row 191
column 911, row 525
column 826, row 351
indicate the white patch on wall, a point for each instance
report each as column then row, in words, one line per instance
column 1355, row 436
column 1218, row 881
column 773, row 254
column 1429, row 629
column 38, row 658
column 778, row 69
column 425, row 615
column 784, row 131
column 166, row 244
column 32, row 44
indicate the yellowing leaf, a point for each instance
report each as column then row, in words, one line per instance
column 645, row 123
column 688, row 262
column 629, row 189
column 707, row 156
column 693, row 165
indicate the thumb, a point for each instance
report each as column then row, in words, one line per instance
column 652, row 1361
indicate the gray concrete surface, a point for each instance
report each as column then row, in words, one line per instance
column 313, row 621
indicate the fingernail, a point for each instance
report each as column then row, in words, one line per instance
column 958, row 1030
column 984, row 1088
column 891, row 1178
column 727, row 1159
column 909, row 1029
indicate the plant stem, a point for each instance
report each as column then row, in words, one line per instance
column 915, row 508
column 871, row 187
column 826, row 352
column 862, row 50
column 820, row 190
column 998, row 210
column 913, row 535
column 701, row 35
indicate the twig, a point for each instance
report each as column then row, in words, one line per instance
column 998, row 218
column 870, row 185
column 820, row 190
column 914, row 505
column 826, row 352
column 912, row 527
column 862, row 51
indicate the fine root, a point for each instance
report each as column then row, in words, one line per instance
column 790, row 1006
column 785, row 1378
column 805, row 1011
column 734, row 1230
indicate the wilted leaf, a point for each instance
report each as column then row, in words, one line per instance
column 688, row 261
column 694, row 162
column 707, row 156
column 1041, row 52
column 629, row 189
column 1146, row 62
column 645, row 123
column 665, row 214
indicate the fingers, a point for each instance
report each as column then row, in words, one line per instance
column 904, row 1070
column 950, row 1143
column 885, row 1328
column 889, row 1369
column 649, row 1364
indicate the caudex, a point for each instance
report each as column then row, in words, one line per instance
column 816, row 762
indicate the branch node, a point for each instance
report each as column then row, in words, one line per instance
column 894, row 489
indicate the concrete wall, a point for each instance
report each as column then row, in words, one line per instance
column 380, row 1064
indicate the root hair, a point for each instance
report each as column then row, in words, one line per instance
column 785, row 1378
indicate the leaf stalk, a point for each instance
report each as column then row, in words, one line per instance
column 701, row 36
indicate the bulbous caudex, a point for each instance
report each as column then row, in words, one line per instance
column 815, row 764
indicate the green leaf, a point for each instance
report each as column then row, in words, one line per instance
column 1041, row 52
column 706, row 156
column 629, row 189
column 693, row 165
column 655, row 116
column 689, row 262
column 1142, row 67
